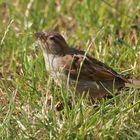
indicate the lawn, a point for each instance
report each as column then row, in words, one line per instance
column 27, row 111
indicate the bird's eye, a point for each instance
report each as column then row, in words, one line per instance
column 52, row 38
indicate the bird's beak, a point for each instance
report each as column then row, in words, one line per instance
column 38, row 35
column 41, row 37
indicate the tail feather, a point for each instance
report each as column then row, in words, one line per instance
column 136, row 83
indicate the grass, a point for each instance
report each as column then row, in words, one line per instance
column 25, row 86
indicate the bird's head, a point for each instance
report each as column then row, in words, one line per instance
column 51, row 43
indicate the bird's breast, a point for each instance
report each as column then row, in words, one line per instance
column 53, row 65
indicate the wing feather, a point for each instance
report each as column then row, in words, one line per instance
column 90, row 69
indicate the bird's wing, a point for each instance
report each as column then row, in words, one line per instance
column 88, row 68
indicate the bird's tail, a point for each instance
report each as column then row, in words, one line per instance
column 135, row 83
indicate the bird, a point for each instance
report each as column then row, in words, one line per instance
column 77, row 68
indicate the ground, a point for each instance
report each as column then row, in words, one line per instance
column 26, row 112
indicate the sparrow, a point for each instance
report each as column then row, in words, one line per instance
column 77, row 68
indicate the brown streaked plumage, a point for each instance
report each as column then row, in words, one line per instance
column 95, row 77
